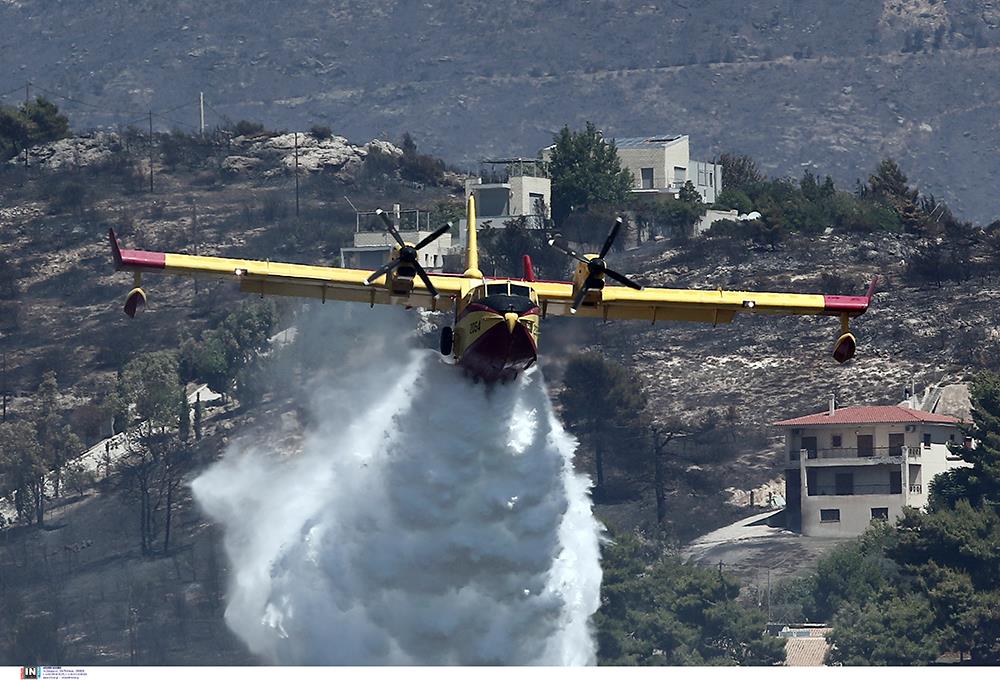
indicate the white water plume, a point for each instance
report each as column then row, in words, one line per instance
column 428, row 520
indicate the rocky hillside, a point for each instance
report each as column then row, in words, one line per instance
column 60, row 307
column 834, row 86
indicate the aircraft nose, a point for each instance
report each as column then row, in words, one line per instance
column 511, row 319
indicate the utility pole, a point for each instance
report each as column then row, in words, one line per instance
column 4, row 361
column 769, row 594
column 659, row 477
column 201, row 109
column 151, row 151
column 296, row 174
column 194, row 235
column 27, row 99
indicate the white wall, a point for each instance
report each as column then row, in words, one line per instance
column 663, row 160
column 855, row 510
column 855, row 513
column 710, row 216
column 521, row 189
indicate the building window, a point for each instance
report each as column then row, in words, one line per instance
column 927, row 439
column 880, row 513
column 537, row 203
column 809, row 444
column 646, row 177
column 844, row 483
column 680, row 174
column 832, row 515
column 838, row 441
column 711, row 179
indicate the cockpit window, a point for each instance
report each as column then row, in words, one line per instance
column 519, row 290
column 497, row 288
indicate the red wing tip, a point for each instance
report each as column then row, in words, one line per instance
column 845, row 304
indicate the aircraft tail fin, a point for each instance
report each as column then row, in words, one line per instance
column 529, row 270
column 472, row 270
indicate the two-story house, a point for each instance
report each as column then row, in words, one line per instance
column 662, row 163
column 847, row 466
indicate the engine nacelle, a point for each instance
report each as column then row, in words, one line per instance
column 582, row 275
column 845, row 347
column 135, row 302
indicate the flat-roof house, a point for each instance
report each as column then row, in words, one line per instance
column 373, row 245
column 508, row 189
column 662, row 164
column 845, row 467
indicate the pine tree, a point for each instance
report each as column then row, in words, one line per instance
column 585, row 170
column 985, row 457
column 601, row 401
column 891, row 185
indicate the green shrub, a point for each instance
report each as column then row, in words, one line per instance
column 321, row 132
column 247, row 128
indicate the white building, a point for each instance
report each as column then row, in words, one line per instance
column 373, row 245
column 847, row 466
column 662, row 164
column 507, row 189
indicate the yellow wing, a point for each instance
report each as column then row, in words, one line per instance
column 282, row 278
column 676, row 304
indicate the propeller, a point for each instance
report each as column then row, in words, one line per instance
column 596, row 266
column 407, row 253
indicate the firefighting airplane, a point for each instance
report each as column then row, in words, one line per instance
column 496, row 320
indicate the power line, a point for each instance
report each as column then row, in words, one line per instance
column 95, row 107
column 16, row 89
column 177, row 108
column 224, row 119
column 175, row 122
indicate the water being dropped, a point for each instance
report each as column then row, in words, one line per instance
column 428, row 520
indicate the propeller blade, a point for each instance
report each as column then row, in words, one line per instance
column 433, row 237
column 621, row 278
column 426, row 279
column 559, row 246
column 612, row 235
column 389, row 226
column 384, row 269
column 578, row 300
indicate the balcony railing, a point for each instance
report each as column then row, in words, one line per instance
column 856, row 490
column 916, row 488
column 874, row 452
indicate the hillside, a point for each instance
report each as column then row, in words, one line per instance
column 798, row 84
column 66, row 316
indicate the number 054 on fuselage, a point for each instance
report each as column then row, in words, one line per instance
column 496, row 321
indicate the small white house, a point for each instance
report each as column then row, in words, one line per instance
column 373, row 245
column 507, row 189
